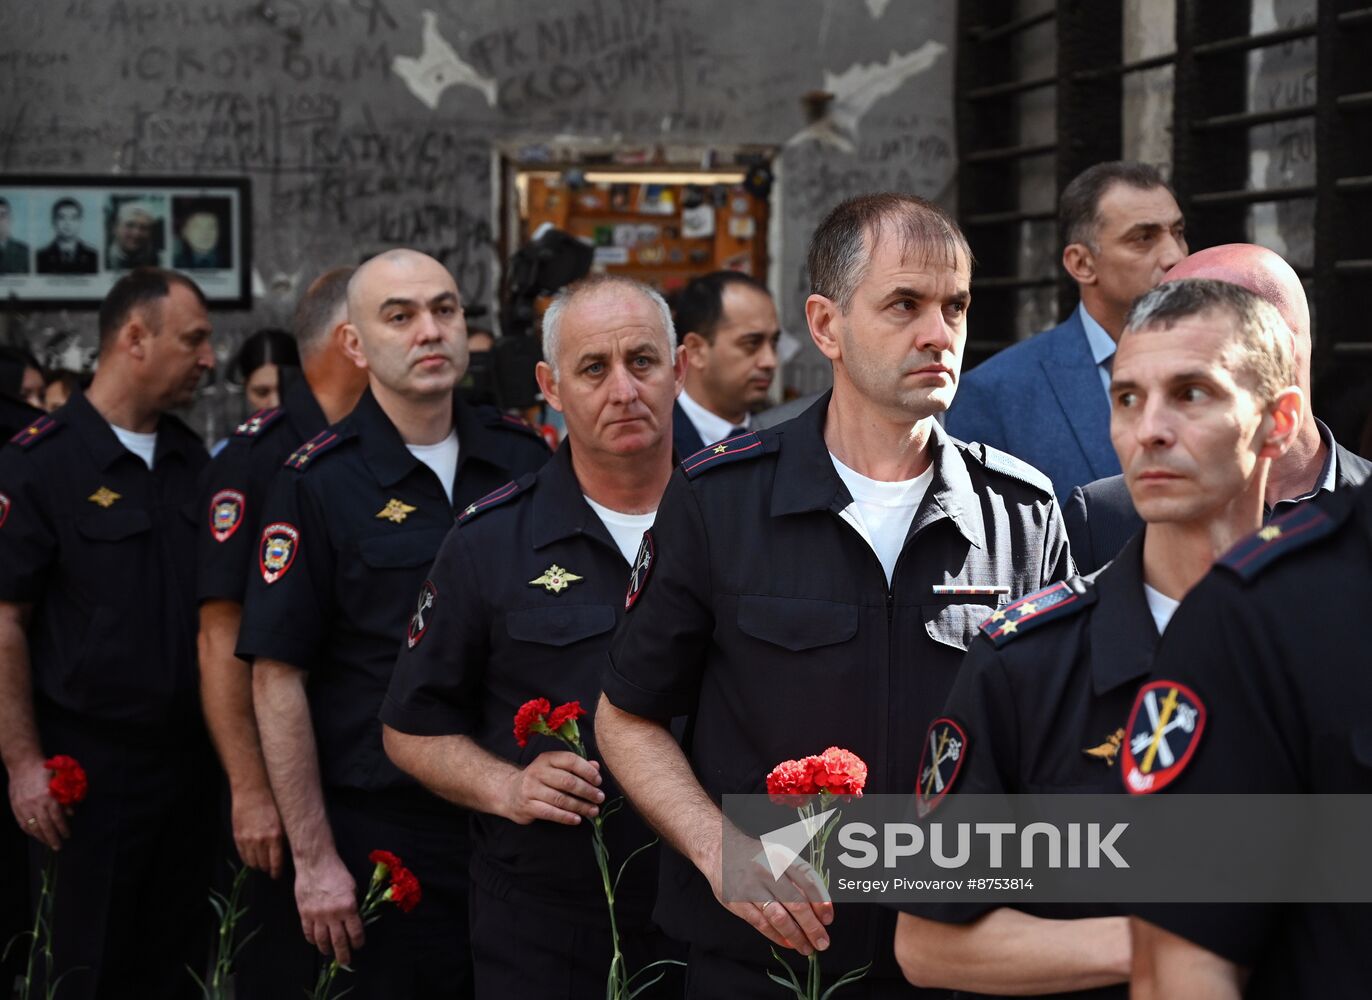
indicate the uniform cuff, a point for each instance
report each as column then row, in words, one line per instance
column 262, row 645
column 432, row 719
column 947, row 913
column 1231, row 930
column 627, row 696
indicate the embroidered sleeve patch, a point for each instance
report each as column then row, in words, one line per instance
column 419, row 622
column 1164, row 729
column 280, row 543
column 643, row 568
column 226, row 514
column 940, row 762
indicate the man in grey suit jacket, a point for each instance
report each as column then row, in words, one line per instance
column 1101, row 517
column 1045, row 400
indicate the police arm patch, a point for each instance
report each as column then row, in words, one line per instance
column 1164, row 729
column 280, row 543
column 226, row 514
column 643, row 568
column 940, row 763
column 4, row 508
column 419, row 622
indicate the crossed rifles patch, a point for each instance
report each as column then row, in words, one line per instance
column 1164, row 728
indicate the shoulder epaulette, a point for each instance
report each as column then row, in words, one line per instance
column 505, row 494
column 308, row 453
column 492, row 417
column 735, row 449
column 259, row 422
column 1283, row 534
column 41, row 428
column 1008, row 465
column 1026, row 614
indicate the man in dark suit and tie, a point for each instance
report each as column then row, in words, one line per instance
column 14, row 254
column 1045, row 400
column 67, row 254
column 728, row 325
column 1101, row 517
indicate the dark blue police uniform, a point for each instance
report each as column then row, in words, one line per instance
column 103, row 548
column 486, row 637
column 276, row 961
column 1269, row 646
column 1040, row 706
column 767, row 618
column 346, row 539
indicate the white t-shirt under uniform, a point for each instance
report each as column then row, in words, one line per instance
column 442, row 458
column 882, row 512
column 626, row 529
column 142, row 445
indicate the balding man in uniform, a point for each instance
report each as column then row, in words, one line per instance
column 1101, row 517
column 347, row 536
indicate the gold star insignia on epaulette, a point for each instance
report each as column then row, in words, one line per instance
column 1027, row 608
column 395, row 511
column 104, row 496
column 469, row 511
column 721, row 449
column 997, row 616
column 1270, row 532
column 1008, row 627
column 555, row 579
column 1108, row 750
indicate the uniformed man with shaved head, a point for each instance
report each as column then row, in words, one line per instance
column 346, row 539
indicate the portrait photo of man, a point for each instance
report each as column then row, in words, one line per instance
column 14, row 254
column 136, row 232
column 67, row 253
column 201, row 234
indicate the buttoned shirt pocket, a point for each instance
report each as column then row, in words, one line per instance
column 400, row 551
column 560, row 626
column 796, row 624
column 954, row 624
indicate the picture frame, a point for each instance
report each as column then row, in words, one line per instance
column 65, row 239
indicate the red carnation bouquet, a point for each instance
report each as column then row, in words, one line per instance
column 813, row 785
column 67, row 785
column 391, row 882
column 539, row 717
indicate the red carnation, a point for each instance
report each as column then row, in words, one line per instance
column 386, row 858
column 404, row 891
column 840, row 772
column 569, row 712
column 530, row 715
column 68, row 782
column 791, row 777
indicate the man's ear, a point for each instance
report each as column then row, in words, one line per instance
column 1079, row 263
column 1284, row 417
column 547, row 384
column 679, row 363
column 134, row 336
column 822, row 315
column 350, row 341
column 696, row 350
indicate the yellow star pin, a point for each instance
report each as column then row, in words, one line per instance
column 1270, row 532
column 395, row 511
column 998, row 616
column 104, row 496
column 721, row 449
column 1028, row 608
column 555, row 579
column 1008, row 627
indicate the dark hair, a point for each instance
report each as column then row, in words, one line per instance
column 265, row 347
column 13, row 361
column 67, row 203
column 1079, row 203
column 140, row 288
column 5, row 202
column 315, row 311
column 840, row 249
column 699, row 307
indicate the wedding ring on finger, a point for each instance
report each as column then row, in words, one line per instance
column 33, row 821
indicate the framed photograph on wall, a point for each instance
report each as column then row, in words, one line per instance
column 65, row 240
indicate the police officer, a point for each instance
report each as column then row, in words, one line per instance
column 1264, row 653
column 521, row 604
column 93, row 498
column 1203, row 401
column 347, row 537
column 274, row 962
column 817, row 583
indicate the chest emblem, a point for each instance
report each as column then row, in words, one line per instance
column 104, row 497
column 555, row 579
column 395, row 511
column 280, row 543
column 1164, row 728
column 419, row 624
column 226, row 514
column 945, row 748
column 1107, row 751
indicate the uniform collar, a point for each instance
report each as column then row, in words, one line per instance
column 560, row 509
column 391, row 460
column 1123, row 633
column 302, row 409
column 806, row 479
column 105, row 448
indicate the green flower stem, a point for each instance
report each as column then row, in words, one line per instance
column 40, row 938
